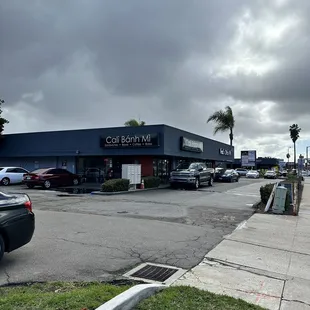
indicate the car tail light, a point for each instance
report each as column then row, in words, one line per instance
column 28, row 205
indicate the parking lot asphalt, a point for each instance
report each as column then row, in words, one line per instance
column 88, row 237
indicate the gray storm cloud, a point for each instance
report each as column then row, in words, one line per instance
column 158, row 60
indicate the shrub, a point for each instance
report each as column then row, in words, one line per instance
column 265, row 192
column 116, row 185
column 151, row 182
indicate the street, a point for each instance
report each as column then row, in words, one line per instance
column 88, row 237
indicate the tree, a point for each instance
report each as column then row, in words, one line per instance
column 134, row 123
column 294, row 133
column 3, row 121
column 225, row 121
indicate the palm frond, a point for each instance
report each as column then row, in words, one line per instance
column 220, row 128
column 230, row 116
column 217, row 117
column 294, row 132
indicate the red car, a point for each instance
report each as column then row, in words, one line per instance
column 50, row 177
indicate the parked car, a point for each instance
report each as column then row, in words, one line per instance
column 217, row 173
column 253, row 174
column 51, row 177
column 191, row 174
column 17, row 222
column 283, row 173
column 242, row 172
column 230, row 175
column 12, row 175
column 270, row 174
column 94, row 175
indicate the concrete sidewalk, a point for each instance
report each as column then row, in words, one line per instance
column 266, row 261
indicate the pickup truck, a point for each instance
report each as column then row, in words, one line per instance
column 16, row 222
column 191, row 175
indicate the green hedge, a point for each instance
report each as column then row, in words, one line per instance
column 265, row 192
column 151, row 182
column 115, row 185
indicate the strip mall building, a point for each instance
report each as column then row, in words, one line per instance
column 158, row 148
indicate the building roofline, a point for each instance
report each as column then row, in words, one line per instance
column 75, row 129
column 114, row 127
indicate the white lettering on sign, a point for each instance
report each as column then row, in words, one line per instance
column 225, row 152
column 193, row 145
column 146, row 140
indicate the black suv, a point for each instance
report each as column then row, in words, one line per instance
column 191, row 174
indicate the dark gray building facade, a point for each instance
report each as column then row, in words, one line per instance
column 158, row 148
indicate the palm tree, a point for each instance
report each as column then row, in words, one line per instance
column 294, row 133
column 134, row 123
column 225, row 121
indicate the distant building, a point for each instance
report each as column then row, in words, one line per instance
column 261, row 163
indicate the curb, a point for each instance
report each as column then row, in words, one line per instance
column 130, row 298
column 127, row 192
column 255, row 204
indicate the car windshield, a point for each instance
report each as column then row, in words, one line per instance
column 184, row 166
column 253, row 171
column 1, row 168
column 229, row 171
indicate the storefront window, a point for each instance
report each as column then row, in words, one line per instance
column 155, row 168
column 93, row 169
column 161, row 169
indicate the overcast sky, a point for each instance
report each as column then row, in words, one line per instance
column 96, row 63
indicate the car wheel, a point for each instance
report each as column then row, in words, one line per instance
column 211, row 181
column 1, row 247
column 197, row 183
column 30, row 186
column 47, row 184
column 6, row 181
column 76, row 182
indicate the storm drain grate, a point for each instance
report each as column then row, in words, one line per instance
column 154, row 273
